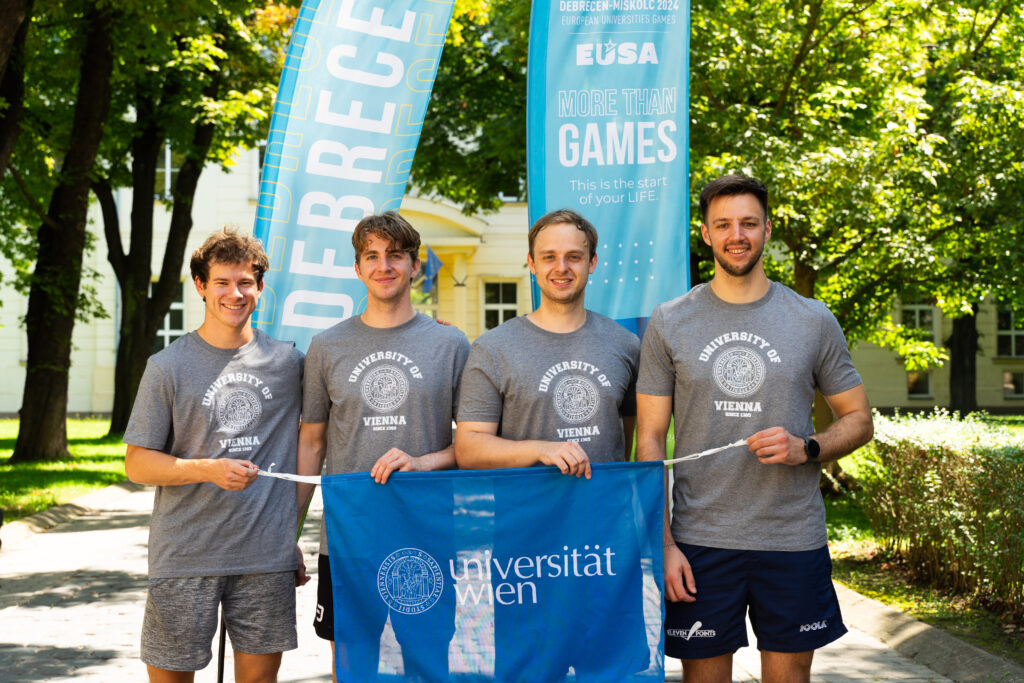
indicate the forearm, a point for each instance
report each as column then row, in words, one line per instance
column 651, row 446
column 476, row 450
column 845, row 435
column 148, row 466
column 443, row 459
column 310, row 462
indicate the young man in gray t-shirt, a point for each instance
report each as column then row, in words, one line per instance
column 380, row 394
column 554, row 387
column 741, row 358
column 212, row 408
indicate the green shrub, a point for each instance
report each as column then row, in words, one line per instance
column 947, row 495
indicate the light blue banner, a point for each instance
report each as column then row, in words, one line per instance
column 607, row 136
column 348, row 115
column 519, row 574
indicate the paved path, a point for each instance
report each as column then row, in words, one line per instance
column 71, row 601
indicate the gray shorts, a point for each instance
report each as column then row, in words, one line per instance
column 181, row 617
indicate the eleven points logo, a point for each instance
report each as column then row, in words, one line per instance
column 409, row 581
column 694, row 631
column 385, row 388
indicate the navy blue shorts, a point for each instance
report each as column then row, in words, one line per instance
column 792, row 602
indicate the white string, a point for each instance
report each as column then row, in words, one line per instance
column 695, row 456
column 304, row 478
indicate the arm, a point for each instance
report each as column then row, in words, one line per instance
column 628, row 427
column 852, row 429
column 312, row 448
column 397, row 460
column 477, row 446
column 654, row 414
column 148, row 466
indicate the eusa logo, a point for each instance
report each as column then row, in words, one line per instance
column 410, row 581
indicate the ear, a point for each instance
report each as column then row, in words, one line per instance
column 201, row 288
column 767, row 230
column 593, row 264
column 356, row 263
column 416, row 265
column 529, row 262
column 705, row 234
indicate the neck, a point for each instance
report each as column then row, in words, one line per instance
column 561, row 318
column 388, row 313
column 225, row 337
column 740, row 290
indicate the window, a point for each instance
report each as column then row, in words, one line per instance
column 500, row 303
column 1010, row 333
column 919, row 316
column 167, row 173
column 1013, row 385
column 425, row 302
column 174, row 322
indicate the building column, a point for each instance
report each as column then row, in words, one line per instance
column 459, row 271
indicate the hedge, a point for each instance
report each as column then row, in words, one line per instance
column 947, row 495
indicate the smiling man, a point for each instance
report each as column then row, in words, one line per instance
column 379, row 396
column 212, row 407
column 741, row 357
column 555, row 387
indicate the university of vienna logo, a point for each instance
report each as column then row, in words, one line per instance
column 385, row 388
column 739, row 372
column 409, row 581
column 238, row 409
column 576, row 398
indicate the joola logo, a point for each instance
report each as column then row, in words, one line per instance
column 816, row 626
column 588, row 54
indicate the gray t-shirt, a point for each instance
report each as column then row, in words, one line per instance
column 383, row 388
column 551, row 386
column 199, row 401
column 733, row 370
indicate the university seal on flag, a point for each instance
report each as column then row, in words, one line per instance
column 410, row 581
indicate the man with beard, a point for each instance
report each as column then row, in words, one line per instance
column 741, row 358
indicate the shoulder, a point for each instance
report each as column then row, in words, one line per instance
column 800, row 304
column 280, row 348
column 333, row 333
column 179, row 352
column 673, row 309
column 612, row 332
column 440, row 331
column 508, row 332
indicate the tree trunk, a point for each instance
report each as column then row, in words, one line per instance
column 963, row 363
column 12, row 78
column 142, row 313
column 53, row 297
column 17, row 15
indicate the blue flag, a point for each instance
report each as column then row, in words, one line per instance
column 519, row 574
column 430, row 270
column 607, row 102
column 346, row 121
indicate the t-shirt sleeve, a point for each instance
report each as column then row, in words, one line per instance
column 628, row 407
column 458, row 367
column 834, row 372
column 316, row 400
column 480, row 398
column 150, row 424
column 657, row 374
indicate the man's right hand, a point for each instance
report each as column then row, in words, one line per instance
column 679, row 583
column 567, row 456
column 231, row 474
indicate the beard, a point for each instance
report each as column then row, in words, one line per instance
column 743, row 269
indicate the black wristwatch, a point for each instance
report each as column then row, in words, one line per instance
column 811, row 449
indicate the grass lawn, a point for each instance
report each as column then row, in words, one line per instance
column 858, row 563
column 27, row 488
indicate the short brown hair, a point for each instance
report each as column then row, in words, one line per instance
column 732, row 185
column 387, row 226
column 571, row 218
column 228, row 246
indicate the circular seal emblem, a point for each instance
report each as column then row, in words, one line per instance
column 576, row 398
column 739, row 372
column 238, row 409
column 409, row 581
column 385, row 388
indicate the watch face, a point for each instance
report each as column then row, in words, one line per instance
column 812, row 448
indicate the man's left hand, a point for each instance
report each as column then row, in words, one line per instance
column 776, row 446
column 395, row 460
